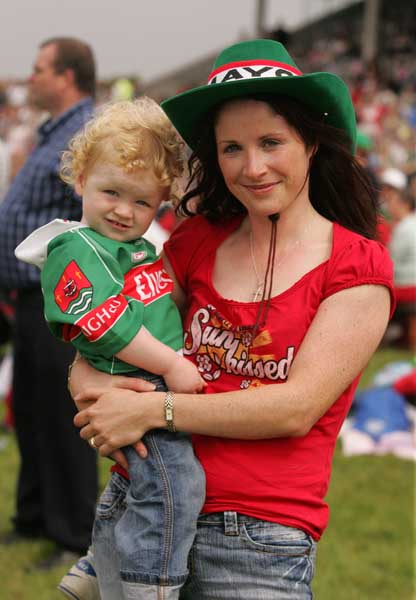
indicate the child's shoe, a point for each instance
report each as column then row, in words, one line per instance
column 80, row 583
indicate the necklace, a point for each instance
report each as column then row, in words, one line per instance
column 260, row 284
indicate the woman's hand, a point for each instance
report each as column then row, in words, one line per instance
column 118, row 417
column 83, row 377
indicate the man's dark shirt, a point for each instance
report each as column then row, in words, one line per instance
column 37, row 195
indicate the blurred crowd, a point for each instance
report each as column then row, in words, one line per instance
column 383, row 92
column 384, row 96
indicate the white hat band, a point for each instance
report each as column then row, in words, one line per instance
column 250, row 70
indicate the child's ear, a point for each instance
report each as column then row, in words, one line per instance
column 79, row 184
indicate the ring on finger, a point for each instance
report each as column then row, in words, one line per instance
column 92, row 443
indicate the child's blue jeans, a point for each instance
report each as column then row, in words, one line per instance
column 154, row 530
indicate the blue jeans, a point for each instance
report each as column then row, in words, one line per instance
column 150, row 522
column 235, row 557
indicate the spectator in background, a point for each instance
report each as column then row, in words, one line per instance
column 393, row 182
column 19, row 122
column 57, row 483
column 400, row 206
column 412, row 186
column 403, row 245
column 4, row 155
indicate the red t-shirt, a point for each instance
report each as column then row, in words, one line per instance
column 283, row 479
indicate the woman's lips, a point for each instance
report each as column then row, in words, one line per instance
column 262, row 188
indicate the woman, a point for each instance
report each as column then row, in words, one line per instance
column 283, row 285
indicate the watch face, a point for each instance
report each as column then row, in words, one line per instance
column 169, row 412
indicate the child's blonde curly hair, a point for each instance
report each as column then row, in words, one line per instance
column 132, row 135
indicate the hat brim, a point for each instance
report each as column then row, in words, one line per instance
column 322, row 92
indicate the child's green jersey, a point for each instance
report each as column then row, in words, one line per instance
column 99, row 292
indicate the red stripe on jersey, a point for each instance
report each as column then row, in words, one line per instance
column 96, row 322
column 147, row 282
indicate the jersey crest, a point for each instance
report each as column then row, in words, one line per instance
column 73, row 292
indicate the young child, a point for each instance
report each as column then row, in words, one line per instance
column 106, row 292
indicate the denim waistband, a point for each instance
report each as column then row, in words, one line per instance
column 230, row 520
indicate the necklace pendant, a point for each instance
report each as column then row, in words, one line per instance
column 247, row 338
column 258, row 292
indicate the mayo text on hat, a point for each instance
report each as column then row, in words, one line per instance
column 251, row 68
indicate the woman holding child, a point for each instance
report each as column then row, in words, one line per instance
column 286, row 295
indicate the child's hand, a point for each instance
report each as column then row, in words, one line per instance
column 184, row 377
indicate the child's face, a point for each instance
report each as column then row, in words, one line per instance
column 119, row 205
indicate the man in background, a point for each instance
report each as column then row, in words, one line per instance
column 57, row 482
column 401, row 208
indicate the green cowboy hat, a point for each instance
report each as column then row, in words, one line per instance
column 262, row 67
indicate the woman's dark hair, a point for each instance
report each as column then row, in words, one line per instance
column 339, row 187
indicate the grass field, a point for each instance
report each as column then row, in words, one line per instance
column 365, row 554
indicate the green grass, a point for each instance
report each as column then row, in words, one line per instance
column 365, row 554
